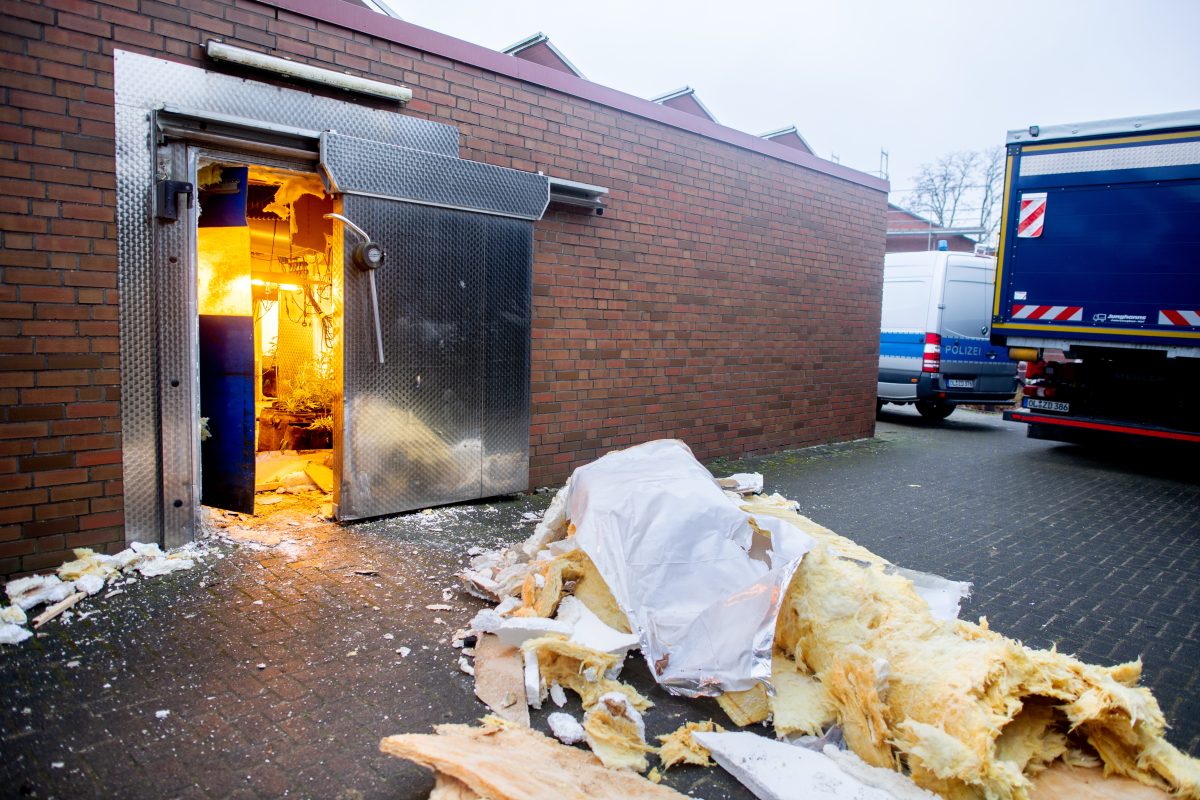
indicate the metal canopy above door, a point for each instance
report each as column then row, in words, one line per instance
column 445, row 416
column 362, row 167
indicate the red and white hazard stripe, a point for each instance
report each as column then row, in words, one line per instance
column 1032, row 216
column 1185, row 317
column 1049, row 313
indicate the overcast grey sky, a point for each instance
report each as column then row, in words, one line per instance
column 918, row 79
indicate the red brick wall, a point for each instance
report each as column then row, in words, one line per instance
column 725, row 297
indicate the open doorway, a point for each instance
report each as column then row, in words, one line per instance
column 269, row 304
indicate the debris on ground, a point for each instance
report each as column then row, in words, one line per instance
column 680, row 746
column 566, row 728
column 786, row 623
column 776, row 770
column 616, row 733
column 86, row 575
column 502, row 761
column 500, row 679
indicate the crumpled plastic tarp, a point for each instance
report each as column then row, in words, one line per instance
column 680, row 560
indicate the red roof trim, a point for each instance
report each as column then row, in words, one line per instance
column 363, row 20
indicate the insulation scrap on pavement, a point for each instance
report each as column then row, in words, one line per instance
column 680, row 745
column 86, row 575
column 501, row 761
column 735, row 595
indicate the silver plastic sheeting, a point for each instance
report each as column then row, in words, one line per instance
column 681, row 561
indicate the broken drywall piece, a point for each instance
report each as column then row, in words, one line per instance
column 494, row 761
column 589, row 630
column 532, row 678
column 515, row 631
column 11, row 633
column 775, row 770
column 500, row 679
column 566, row 728
column 899, row 786
column 617, row 734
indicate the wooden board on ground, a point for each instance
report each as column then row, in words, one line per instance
column 500, row 679
column 502, row 761
column 1064, row 782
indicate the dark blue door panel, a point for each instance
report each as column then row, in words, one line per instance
column 227, row 400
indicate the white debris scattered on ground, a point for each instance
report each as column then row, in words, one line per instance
column 87, row 575
column 566, row 728
column 162, row 713
column 13, row 634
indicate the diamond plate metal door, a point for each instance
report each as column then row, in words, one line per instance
column 445, row 418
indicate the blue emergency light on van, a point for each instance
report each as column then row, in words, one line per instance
column 934, row 348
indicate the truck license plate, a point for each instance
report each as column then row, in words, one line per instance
column 1047, row 405
column 961, row 383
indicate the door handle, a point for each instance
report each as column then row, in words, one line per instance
column 368, row 257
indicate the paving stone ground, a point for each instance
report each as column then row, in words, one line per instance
column 1095, row 552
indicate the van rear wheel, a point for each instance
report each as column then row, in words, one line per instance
column 935, row 409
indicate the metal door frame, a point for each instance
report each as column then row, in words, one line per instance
column 175, row 256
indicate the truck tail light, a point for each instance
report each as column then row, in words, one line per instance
column 1034, row 369
column 932, row 360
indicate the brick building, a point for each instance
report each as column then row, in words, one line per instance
column 911, row 233
column 728, row 295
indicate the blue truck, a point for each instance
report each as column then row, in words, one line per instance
column 1099, row 258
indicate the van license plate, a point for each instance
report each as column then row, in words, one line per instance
column 1047, row 405
column 961, row 383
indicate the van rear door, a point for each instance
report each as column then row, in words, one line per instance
column 969, row 361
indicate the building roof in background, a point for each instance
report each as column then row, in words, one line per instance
column 361, row 18
column 788, row 137
column 685, row 100
column 540, row 50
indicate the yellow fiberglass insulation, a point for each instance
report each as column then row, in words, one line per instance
column 679, row 747
column 970, row 713
column 543, row 589
column 580, row 669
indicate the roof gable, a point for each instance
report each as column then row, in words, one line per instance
column 540, row 50
column 685, row 100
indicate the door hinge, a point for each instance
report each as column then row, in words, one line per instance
column 167, row 199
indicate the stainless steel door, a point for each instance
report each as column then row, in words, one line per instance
column 445, row 416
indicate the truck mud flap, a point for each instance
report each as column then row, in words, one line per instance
column 1052, row 426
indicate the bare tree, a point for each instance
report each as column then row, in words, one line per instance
column 941, row 188
column 991, row 183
